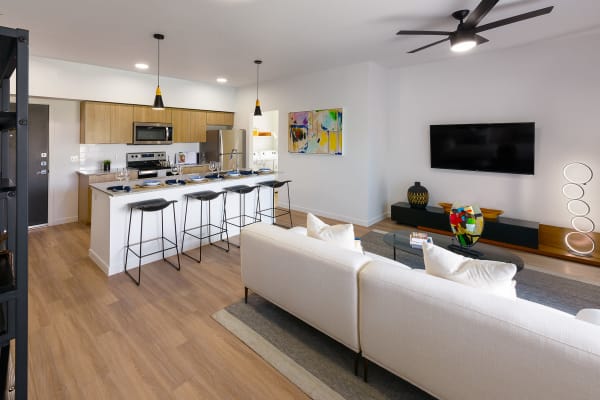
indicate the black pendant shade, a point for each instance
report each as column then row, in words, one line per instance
column 158, row 100
column 257, row 111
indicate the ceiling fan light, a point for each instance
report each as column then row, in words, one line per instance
column 462, row 46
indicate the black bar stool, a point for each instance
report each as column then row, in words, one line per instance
column 206, row 196
column 151, row 206
column 274, row 212
column 243, row 219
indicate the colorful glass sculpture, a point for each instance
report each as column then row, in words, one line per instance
column 466, row 223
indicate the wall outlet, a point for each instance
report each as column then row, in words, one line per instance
column 74, row 158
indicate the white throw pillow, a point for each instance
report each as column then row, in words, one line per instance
column 342, row 235
column 591, row 315
column 492, row 276
column 300, row 230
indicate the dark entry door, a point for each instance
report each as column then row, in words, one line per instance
column 39, row 117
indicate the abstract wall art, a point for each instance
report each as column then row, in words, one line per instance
column 315, row 132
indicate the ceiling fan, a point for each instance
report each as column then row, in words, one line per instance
column 465, row 37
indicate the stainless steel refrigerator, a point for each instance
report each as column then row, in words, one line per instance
column 228, row 147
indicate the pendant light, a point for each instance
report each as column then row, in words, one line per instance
column 158, row 101
column 257, row 111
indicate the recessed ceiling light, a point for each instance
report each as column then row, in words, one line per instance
column 141, row 66
column 222, row 80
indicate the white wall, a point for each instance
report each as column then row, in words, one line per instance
column 332, row 186
column 378, row 143
column 67, row 80
column 554, row 83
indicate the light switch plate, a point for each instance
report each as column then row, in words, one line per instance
column 74, row 158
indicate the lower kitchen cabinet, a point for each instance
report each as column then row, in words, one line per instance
column 85, row 192
column 195, row 169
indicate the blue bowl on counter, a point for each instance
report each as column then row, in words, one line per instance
column 175, row 182
column 119, row 188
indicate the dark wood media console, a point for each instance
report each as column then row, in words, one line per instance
column 502, row 230
column 531, row 237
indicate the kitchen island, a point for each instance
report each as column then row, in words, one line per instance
column 110, row 216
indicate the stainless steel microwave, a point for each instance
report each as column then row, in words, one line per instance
column 152, row 133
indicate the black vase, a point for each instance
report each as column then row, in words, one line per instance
column 418, row 196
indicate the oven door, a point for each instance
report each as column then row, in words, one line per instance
column 147, row 174
column 152, row 133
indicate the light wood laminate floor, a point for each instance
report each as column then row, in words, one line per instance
column 93, row 337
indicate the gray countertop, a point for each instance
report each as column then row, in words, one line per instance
column 137, row 185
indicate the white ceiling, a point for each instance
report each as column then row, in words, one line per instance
column 210, row 38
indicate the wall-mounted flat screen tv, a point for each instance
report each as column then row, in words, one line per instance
column 507, row 147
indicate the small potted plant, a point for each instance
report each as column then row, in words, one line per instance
column 106, row 165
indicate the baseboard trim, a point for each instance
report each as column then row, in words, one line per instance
column 98, row 261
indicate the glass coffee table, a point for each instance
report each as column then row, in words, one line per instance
column 399, row 240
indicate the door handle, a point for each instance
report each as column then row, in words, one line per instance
column 42, row 172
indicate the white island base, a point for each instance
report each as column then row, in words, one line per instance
column 110, row 218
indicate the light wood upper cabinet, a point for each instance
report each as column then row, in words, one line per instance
column 219, row 118
column 189, row 126
column 181, row 125
column 94, row 122
column 198, row 126
column 106, row 122
column 147, row 114
column 113, row 122
column 121, row 123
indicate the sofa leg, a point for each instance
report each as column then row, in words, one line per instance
column 245, row 295
column 366, row 369
column 357, row 358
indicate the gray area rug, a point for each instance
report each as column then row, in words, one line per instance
column 313, row 353
column 329, row 361
column 563, row 294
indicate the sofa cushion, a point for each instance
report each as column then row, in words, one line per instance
column 342, row 234
column 492, row 276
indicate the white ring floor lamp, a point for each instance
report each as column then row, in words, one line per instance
column 579, row 241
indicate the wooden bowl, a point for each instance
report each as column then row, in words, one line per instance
column 488, row 213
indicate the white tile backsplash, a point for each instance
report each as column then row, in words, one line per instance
column 92, row 155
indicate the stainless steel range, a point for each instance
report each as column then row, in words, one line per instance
column 149, row 164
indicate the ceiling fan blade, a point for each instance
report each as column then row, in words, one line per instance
column 429, row 45
column 480, row 39
column 423, row 33
column 478, row 13
column 512, row 20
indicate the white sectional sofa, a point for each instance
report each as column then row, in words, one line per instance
column 453, row 341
